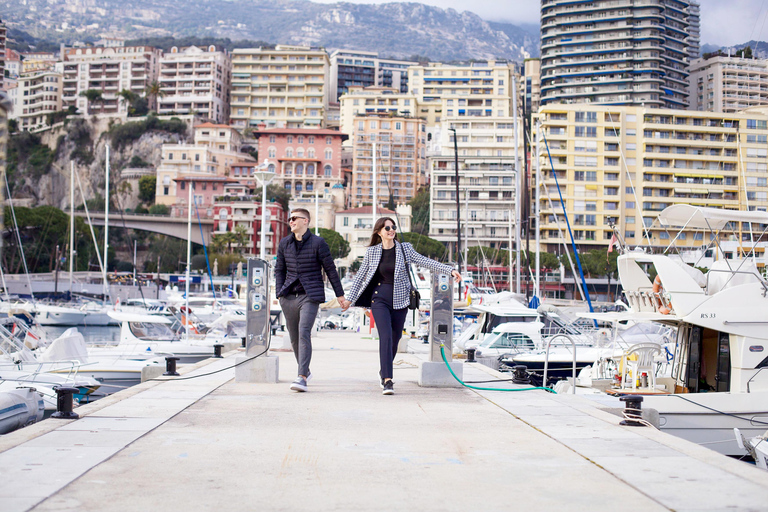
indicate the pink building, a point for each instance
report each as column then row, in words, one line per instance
column 303, row 159
column 228, row 201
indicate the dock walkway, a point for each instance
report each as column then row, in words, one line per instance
column 209, row 443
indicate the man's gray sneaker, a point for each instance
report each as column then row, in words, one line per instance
column 300, row 384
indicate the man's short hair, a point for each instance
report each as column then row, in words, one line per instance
column 302, row 211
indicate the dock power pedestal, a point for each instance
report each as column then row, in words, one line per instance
column 263, row 368
column 434, row 373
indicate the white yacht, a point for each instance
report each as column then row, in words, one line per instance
column 718, row 376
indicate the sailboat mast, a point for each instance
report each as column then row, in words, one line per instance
column 537, row 209
column 518, row 182
column 106, row 227
column 71, row 225
column 189, row 257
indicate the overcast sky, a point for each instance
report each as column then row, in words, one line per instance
column 723, row 22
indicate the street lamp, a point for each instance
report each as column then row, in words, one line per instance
column 264, row 175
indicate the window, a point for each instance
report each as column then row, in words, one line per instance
column 290, row 139
column 327, row 170
column 329, row 140
column 586, row 117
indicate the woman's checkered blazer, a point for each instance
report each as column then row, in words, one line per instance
column 402, row 285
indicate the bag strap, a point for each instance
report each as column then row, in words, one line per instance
column 405, row 262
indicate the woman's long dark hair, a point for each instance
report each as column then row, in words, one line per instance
column 376, row 237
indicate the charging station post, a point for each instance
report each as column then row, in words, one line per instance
column 434, row 373
column 265, row 367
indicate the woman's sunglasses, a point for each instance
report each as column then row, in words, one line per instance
column 295, row 218
column 390, row 228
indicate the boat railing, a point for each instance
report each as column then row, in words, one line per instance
column 641, row 300
column 546, row 359
column 760, row 278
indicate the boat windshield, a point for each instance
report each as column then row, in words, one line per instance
column 507, row 340
column 150, row 331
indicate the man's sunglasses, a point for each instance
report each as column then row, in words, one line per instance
column 295, row 217
column 390, row 228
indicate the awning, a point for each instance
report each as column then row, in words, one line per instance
column 702, row 217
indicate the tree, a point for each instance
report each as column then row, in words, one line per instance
column 93, row 96
column 147, row 188
column 158, row 209
column 336, row 243
column 275, row 193
column 424, row 245
column 154, row 91
column 420, row 211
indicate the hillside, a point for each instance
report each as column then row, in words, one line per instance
column 393, row 29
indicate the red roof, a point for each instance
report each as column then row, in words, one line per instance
column 299, row 131
column 368, row 210
column 206, row 178
column 211, row 125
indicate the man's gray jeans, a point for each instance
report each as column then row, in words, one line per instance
column 300, row 312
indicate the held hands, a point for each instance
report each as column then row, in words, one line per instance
column 456, row 276
column 344, row 303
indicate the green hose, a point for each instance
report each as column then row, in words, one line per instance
column 442, row 353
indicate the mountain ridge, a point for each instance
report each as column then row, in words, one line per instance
column 393, row 29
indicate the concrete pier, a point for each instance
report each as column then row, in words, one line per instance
column 210, row 443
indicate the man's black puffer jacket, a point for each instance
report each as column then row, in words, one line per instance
column 305, row 266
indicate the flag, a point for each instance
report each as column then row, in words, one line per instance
column 614, row 241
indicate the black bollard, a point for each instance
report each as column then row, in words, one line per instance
column 521, row 374
column 633, row 405
column 243, row 341
column 471, row 355
column 217, row 350
column 64, row 404
column 170, row 366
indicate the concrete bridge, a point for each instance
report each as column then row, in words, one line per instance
column 163, row 224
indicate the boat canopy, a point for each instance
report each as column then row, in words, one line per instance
column 121, row 316
column 701, row 217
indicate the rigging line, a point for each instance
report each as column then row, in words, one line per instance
column 746, row 195
column 757, row 19
column 629, row 177
column 130, row 239
column 568, row 224
column 557, row 219
column 90, row 224
column 560, row 230
column 18, row 236
column 205, row 251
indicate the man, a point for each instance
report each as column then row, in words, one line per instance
column 299, row 286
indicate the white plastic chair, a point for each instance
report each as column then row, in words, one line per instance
column 645, row 352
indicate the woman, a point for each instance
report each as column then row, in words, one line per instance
column 382, row 284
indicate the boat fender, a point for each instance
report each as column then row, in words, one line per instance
column 658, row 289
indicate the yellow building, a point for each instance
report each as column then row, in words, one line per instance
column 624, row 165
column 284, row 87
column 374, row 100
column 476, row 89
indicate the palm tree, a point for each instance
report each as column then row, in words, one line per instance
column 93, row 96
column 154, row 91
column 128, row 97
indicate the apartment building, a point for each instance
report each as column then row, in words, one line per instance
column 215, row 151
column 482, row 136
column 532, row 80
column 629, row 53
column 195, row 80
column 398, row 145
column 476, row 89
column 303, row 159
column 728, row 84
column 280, row 87
column 3, row 34
column 355, row 225
column 374, row 100
column 487, row 195
column 13, row 65
column 351, row 68
column 109, row 71
column 233, row 208
column 37, row 94
column 624, row 165
column 35, row 61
